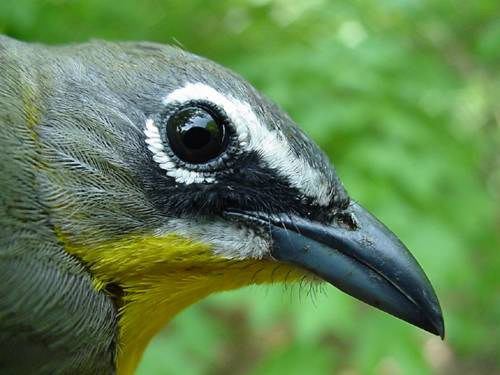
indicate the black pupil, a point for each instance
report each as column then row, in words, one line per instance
column 196, row 137
column 195, row 134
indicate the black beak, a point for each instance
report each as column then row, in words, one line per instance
column 363, row 259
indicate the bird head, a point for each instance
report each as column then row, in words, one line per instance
column 171, row 178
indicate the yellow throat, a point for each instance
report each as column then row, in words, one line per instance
column 162, row 275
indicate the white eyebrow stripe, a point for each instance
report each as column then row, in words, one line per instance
column 270, row 145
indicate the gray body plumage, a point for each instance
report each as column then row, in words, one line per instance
column 69, row 138
column 52, row 321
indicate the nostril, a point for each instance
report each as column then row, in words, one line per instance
column 346, row 220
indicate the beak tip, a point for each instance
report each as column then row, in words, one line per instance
column 436, row 328
column 439, row 327
column 435, row 323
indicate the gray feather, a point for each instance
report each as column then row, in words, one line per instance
column 52, row 321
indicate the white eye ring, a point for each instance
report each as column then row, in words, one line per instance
column 165, row 161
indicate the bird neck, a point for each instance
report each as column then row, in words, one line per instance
column 161, row 275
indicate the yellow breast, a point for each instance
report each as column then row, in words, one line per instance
column 162, row 275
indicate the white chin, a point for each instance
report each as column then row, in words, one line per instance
column 229, row 240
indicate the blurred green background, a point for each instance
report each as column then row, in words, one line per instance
column 404, row 95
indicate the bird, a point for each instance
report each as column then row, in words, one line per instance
column 137, row 179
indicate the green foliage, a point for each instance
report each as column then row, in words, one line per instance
column 404, row 97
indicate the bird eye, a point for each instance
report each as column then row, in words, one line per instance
column 196, row 134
